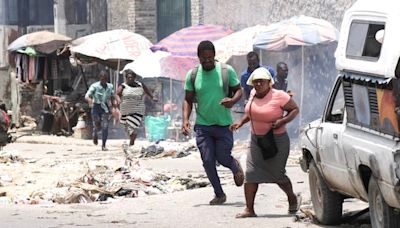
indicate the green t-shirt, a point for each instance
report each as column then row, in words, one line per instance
column 209, row 92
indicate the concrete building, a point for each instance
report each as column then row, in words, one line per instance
column 156, row 19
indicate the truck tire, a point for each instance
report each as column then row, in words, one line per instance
column 382, row 215
column 327, row 204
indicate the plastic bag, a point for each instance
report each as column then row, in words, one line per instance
column 156, row 127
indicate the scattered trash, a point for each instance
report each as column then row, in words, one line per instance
column 5, row 201
column 73, row 195
column 6, row 178
column 182, row 154
column 99, row 179
column 10, row 157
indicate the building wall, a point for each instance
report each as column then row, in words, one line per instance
column 197, row 12
column 7, row 33
column 239, row 14
column 98, row 15
column 145, row 15
column 120, row 14
column 138, row 16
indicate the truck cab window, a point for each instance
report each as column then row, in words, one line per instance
column 336, row 110
column 397, row 70
column 363, row 43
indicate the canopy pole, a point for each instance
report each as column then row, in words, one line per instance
column 170, row 90
column 117, row 76
column 260, row 55
column 302, row 87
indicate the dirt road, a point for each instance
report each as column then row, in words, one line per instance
column 56, row 160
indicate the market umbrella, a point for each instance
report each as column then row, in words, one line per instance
column 298, row 31
column 148, row 65
column 238, row 43
column 182, row 45
column 184, row 42
column 114, row 48
column 157, row 64
column 42, row 41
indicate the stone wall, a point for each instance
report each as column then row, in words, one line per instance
column 239, row 14
column 120, row 14
column 146, row 19
column 138, row 16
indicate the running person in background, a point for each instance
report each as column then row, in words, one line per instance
column 131, row 99
column 99, row 96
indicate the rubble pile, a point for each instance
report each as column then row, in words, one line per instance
column 103, row 182
column 6, row 157
column 160, row 149
column 28, row 123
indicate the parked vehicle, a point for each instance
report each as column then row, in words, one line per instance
column 354, row 149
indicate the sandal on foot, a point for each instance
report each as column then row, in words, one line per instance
column 295, row 207
column 245, row 215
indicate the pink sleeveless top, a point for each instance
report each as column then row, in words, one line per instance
column 266, row 110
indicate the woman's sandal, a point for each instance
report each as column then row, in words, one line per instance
column 245, row 215
column 295, row 207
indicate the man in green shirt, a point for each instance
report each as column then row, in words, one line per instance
column 100, row 96
column 213, row 117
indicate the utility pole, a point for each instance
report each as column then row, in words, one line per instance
column 60, row 21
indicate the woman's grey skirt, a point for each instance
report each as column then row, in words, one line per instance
column 271, row 170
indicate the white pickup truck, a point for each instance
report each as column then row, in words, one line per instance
column 354, row 149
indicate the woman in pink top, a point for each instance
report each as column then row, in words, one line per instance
column 267, row 109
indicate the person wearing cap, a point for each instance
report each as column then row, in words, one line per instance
column 131, row 99
column 267, row 109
